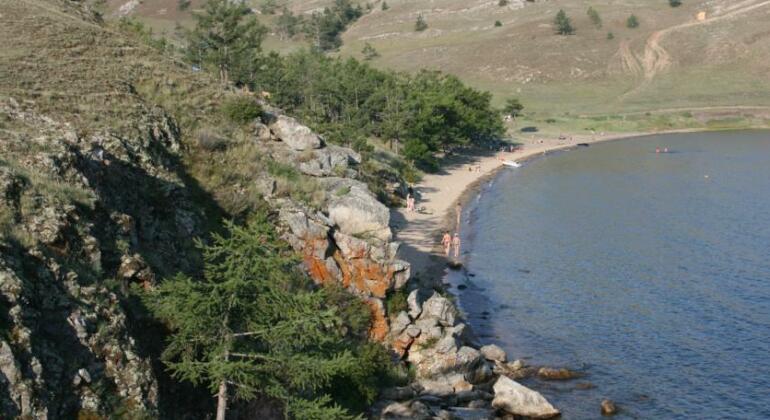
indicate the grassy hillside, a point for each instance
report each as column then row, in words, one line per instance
column 672, row 71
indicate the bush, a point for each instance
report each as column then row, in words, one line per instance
column 632, row 22
column 498, row 23
column 563, row 23
column 241, row 110
column 610, row 36
column 502, row 3
column 396, row 302
column 674, row 3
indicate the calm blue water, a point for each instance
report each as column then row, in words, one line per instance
column 649, row 273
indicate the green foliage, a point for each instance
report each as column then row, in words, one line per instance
column 632, row 22
column 183, row 5
column 594, row 16
column 348, row 101
column 324, row 28
column 227, row 39
column 513, row 107
column 396, row 302
column 253, row 322
column 369, row 52
column 241, row 109
column 503, row 3
column 420, row 25
column 610, row 36
column 145, row 34
column 498, row 23
column 385, row 6
column 268, row 7
column 288, row 24
column 563, row 23
column 674, row 3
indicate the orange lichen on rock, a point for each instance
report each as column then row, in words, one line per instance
column 379, row 328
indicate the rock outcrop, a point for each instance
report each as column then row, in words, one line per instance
column 514, row 398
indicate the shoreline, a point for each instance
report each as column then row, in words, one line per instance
column 420, row 232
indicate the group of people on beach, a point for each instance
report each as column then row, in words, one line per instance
column 449, row 243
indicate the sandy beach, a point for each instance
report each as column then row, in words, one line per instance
column 420, row 232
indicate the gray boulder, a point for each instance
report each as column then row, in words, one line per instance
column 357, row 212
column 494, row 352
column 415, row 306
column 440, row 308
column 327, row 161
column 514, row 398
column 294, row 134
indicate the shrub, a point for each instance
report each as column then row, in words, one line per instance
column 632, row 22
column 563, row 23
column 594, row 16
column 610, row 36
column 396, row 302
column 502, row 3
column 674, row 3
column 498, row 23
column 241, row 110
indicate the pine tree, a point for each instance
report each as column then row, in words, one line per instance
column 249, row 328
column 632, row 22
column 227, row 38
column 420, row 25
column 563, row 23
column 513, row 107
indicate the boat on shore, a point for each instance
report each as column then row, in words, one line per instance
column 511, row 164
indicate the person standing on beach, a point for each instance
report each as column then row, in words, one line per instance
column 446, row 242
column 410, row 203
column 456, row 244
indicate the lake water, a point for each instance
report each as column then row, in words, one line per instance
column 648, row 273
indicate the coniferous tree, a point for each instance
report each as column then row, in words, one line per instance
column 563, row 23
column 632, row 22
column 250, row 327
column 513, row 107
column 420, row 25
column 385, row 6
column 227, row 38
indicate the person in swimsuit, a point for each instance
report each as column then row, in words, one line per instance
column 456, row 244
column 446, row 242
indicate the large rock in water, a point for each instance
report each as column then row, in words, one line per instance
column 355, row 210
column 514, row 398
column 294, row 134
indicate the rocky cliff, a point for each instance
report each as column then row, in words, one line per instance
column 113, row 159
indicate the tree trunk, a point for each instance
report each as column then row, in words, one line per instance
column 222, row 401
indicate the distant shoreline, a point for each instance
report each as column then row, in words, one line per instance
column 440, row 193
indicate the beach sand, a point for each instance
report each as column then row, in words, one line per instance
column 420, row 232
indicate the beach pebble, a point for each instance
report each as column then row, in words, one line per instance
column 609, row 408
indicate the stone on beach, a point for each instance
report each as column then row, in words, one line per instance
column 493, row 352
column 514, row 398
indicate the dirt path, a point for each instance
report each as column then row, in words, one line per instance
column 656, row 58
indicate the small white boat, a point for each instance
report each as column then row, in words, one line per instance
column 512, row 164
